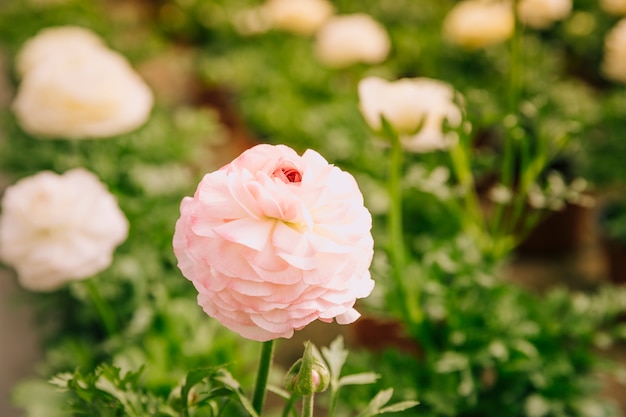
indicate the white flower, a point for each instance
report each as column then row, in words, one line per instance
column 75, row 88
column 478, row 23
column 298, row 16
column 615, row 7
column 614, row 62
column 57, row 228
column 416, row 109
column 540, row 14
column 350, row 39
column 252, row 21
column 53, row 42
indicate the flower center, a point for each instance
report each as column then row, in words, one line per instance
column 288, row 173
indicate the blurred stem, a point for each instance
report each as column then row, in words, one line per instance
column 104, row 309
column 334, row 400
column 397, row 249
column 289, row 408
column 502, row 234
column 265, row 363
column 307, row 405
column 472, row 215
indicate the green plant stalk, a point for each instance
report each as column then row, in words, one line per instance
column 396, row 247
column 307, row 405
column 471, row 214
column 102, row 307
column 514, row 94
column 289, row 408
column 334, row 396
column 260, row 387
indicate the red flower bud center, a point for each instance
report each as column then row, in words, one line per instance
column 288, row 173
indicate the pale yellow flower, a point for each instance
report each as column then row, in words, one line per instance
column 415, row 108
column 479, row 23
column 614, row 62
column 615, row 7
column 540, row 14
column 350, row 39
column 52, row 42
column 298, row 16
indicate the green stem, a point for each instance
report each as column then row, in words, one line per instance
column 104, row 309
column 396, row 247
column 265, row 363
column 307, row 405
column 289, row 408
column 334, row 400
column 499, row 231
column 472, row 213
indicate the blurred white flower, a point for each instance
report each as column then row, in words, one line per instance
column 58, row 228
column 540, row 14
column 53, row 42
column 614, row 61
column 557, row 193
column 479, row 23
column 350, row 39
column 615, row 7
column 252, row 21
column 500, row 194
column 416, row 108
column 433, row 182
column 297, row 16
column 75, row 88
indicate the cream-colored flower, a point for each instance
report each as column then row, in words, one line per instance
column 350, row 39
column 416, row 108
column 252, row 21
column 89, row 93
column 54, row 42
column 298, row 16
column 615, row 7
column 59, row 228
column 614, row 62
column 479, row 23
column 540, row 14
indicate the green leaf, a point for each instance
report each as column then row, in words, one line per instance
column 359, row 379
column 335, row 356
column 400, row 406
column 233, row 385
column 374, row 406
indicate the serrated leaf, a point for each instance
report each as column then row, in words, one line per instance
column 233, row 385
column 359, row 379
column 379, row 400
column 335, row 356
column 193, row 378
column 61, row 380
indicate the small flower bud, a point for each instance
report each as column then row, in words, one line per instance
column 307, row 375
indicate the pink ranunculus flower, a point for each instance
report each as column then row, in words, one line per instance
column 59, row 228
column 275, row 240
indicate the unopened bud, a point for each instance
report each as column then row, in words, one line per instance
column 308, row 375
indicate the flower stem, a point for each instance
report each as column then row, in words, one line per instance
column 289, row 408
column 396, row 247
column 104, row 310
column 265, row 363
column 307, row 405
